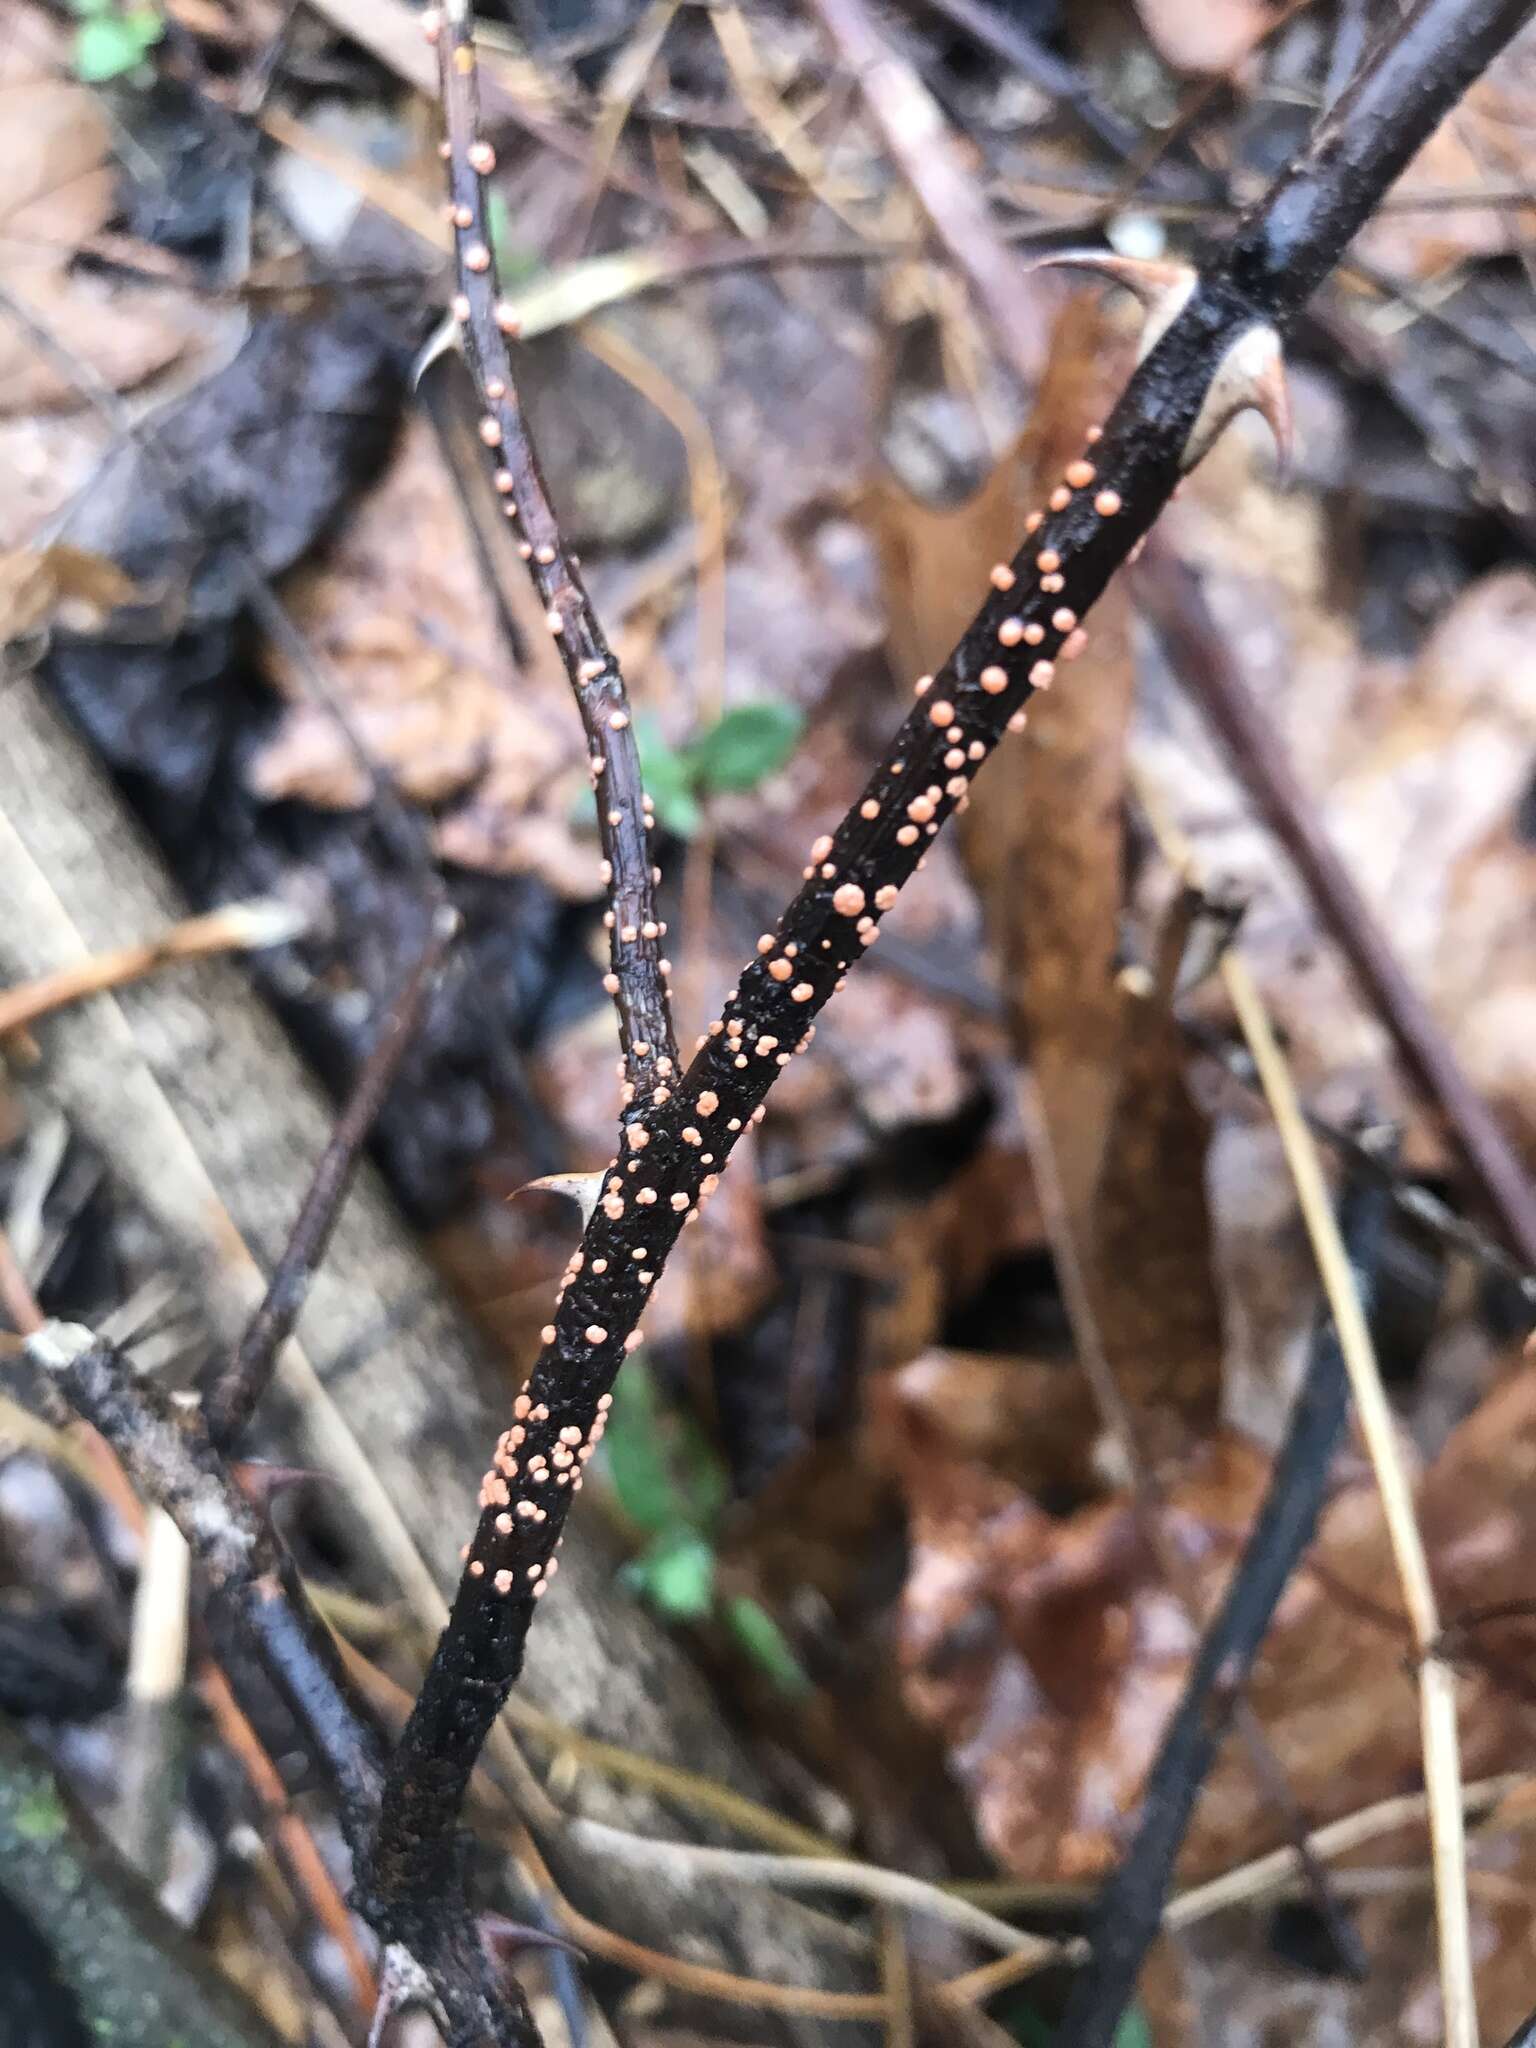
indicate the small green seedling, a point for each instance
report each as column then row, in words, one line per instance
column 671, row 1485
column 113, row 41
column 733, row 756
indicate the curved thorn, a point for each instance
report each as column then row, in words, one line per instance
column 503, row 1938
column 581, row 1188
column 1163, row 289
column 1249, row 378
column 442, row 341
column 261, row 1483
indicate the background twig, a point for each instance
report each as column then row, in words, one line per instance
column 1130, row 1908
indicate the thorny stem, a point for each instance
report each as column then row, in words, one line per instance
column 1229, row 322
column 637, row 972
column 1130, row 1907
column 233, row 1397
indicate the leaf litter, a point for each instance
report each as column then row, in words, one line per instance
column 863, row 1462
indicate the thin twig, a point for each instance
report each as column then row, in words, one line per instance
column 1003, row 36
column 896, row 1974
column 297, row 1844
column 1217, row 342
column 920, row 139
column 1171, row 596
column 232, row 1398
column 1266, row 1876
column 157, row 1672
column 1437, row 1680
column 701, row 1979
column 1130, row 1908
column 1425, row 1209
column 813, row 1873
column 168, row 1456
column 238, row 927
column 637, row 972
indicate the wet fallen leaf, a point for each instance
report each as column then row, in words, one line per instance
column 1050, row 1652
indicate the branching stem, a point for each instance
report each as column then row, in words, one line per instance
column 679, row 1131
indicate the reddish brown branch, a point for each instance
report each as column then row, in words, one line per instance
column 637, row 973
column 1202, row 659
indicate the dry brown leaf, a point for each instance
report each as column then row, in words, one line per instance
column 57, row 189
column 1049, row 1653
column 1151, row 1260
column 1418, row 771
column 1054, row 939
column 1045, row 847
column 400, row 614
column 60, row 582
